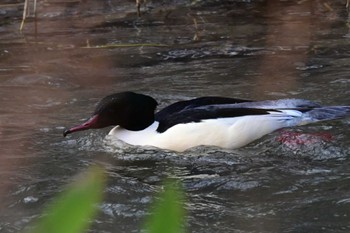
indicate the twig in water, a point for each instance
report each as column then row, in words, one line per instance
column 138, row 6
column 111, row 46
column 25, row 9
column 26, row 12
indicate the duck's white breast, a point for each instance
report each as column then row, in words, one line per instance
column 224, row 132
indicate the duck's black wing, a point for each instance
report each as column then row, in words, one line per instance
column 219, row 107
column 202, row 108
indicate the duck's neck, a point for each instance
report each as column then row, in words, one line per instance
column 123, row 133
column 137, row 123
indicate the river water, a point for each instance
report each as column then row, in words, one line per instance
column 53, row 73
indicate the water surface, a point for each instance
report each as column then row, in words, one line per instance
column 256, row 50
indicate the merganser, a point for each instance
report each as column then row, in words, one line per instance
column 212, row 121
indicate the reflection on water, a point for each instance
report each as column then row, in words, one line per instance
column 254, row 50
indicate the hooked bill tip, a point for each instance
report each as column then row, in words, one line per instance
column 66, row 132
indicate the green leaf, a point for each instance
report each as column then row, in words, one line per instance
column 72, row 210
column 168, row 214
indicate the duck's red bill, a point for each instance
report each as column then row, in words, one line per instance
column 89, row 124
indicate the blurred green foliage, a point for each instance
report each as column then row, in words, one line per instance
column 74, row 208
column 168, row 214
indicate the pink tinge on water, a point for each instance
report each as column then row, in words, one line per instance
column 289, row 138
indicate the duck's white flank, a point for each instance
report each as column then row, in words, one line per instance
column 228, row 133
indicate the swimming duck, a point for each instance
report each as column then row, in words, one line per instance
column 212, row 121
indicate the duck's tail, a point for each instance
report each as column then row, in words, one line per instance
column 325, row 114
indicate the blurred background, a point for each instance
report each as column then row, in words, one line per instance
column 73, row 53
